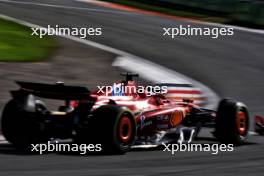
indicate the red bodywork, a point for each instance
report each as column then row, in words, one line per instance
column 153, row 113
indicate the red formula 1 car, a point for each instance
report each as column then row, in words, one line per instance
column 116, row 122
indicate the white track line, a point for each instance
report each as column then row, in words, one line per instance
column 96, row 2
column 146, row 69
column 128, row 61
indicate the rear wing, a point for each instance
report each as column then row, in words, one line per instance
column 52, row 91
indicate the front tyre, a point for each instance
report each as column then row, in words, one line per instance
column 232, row 122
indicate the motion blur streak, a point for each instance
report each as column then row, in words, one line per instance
column 132, row 9
column 160, row 74
column 62, row 6
column 232, row 66
column 146, row 69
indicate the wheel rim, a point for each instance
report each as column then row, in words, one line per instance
column 241, row 122
column 125, row 129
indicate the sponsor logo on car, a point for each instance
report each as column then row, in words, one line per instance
column 143, row 123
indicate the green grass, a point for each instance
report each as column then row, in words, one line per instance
column 18, row 45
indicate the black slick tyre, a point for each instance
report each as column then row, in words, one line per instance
column 232, row 122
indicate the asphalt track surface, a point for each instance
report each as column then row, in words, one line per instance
column 231, row 66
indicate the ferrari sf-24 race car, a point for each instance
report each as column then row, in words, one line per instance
column 115, row 122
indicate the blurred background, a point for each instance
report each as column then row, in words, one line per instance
column 232, row 66
column 241, row 12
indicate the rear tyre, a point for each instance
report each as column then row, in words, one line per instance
column 232, row 122
column 19, row 126
column 113, row 127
